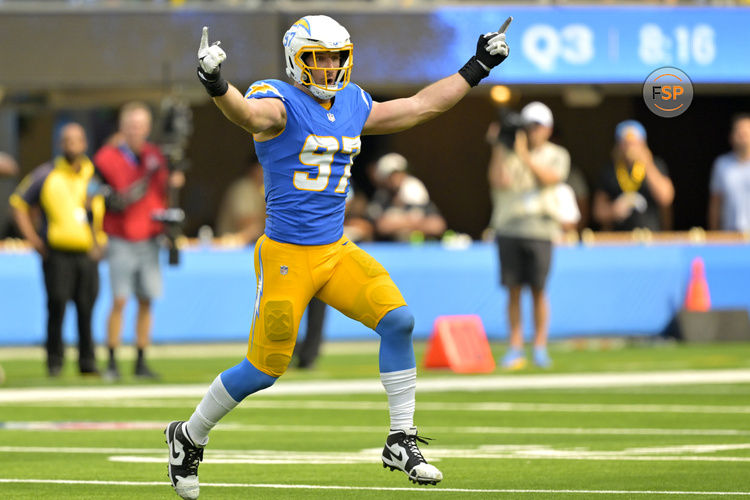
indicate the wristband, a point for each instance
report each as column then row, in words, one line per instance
column 215, row 85
column 473, row 71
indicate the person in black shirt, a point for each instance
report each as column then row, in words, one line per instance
column 635, row 190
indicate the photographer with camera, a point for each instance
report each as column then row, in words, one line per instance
column 137, row 181
column 525, row 171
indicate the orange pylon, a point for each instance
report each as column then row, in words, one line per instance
column 460, row 344
column 697, row 297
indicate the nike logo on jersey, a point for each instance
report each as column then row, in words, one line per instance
column 178, row 453
column 396, row 459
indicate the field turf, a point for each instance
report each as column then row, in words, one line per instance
column 606, row 434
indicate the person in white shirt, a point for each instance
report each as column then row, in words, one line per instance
column 729, row 204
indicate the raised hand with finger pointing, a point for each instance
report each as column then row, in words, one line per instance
column 492, row 49
column 210, row 58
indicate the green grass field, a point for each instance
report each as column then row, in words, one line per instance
column 605, row 434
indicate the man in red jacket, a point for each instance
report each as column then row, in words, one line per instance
column 137, row 178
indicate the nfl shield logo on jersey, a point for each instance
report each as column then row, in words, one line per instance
column 331, row 117
column 284, row 270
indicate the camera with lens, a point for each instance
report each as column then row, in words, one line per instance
column 510, row 123
column 172, row 132
column 172, row 218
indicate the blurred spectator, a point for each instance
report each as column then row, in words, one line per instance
column 8, row 166
column 357, row 227
column 729, row 205
column 577, row 181
column 8, row 173
column 523, row 179
column 401, row 206
column 635, row 190
column 242, row 213
column 68, row 244
column 136, row 180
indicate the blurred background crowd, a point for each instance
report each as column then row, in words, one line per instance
column 568, row 98
column 96, row 74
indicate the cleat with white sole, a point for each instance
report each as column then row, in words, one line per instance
column 402, row 453
column 184, row 458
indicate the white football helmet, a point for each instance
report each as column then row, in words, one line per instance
column 313, row 35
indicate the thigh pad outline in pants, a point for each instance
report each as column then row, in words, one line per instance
column 281, row 299
column 361, row 288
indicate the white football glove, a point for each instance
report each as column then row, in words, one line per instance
column 211, row 56
column 496, row 44
column 492, row 48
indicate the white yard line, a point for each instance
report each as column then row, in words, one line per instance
column 253, row 404
column 434, row 490
column 359, row 429
column 373, row 386
column 349, row 460
column 688, row 452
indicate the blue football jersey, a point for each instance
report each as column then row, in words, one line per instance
column 307, row 167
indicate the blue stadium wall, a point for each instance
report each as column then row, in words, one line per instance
column 596, row 290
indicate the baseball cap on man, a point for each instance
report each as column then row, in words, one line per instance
column 388, row 164
column 628, row 127
column 536, row 112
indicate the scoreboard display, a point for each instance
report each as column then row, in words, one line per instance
column 556, row 44
column 612, row 44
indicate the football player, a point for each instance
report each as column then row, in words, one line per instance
column 307, row 134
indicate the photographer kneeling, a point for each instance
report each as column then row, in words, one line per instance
column 524, row 173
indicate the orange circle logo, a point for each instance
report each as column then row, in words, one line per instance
column 668, row 92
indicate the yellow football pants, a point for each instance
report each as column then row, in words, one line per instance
column 340, row 274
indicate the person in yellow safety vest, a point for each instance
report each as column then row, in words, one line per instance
column 69, row 241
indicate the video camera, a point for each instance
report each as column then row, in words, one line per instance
column 510, row 123
column 172, row 218
column 173, row 129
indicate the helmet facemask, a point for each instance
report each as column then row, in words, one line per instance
column 307, row 58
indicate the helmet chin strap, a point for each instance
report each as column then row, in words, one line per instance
column 317, row 91
column 320, row 93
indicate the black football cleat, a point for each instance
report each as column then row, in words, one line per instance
column 402, row 453
column 184, row 458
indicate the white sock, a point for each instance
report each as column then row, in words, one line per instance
column 215, row 404
column 401, row 387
